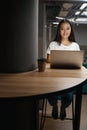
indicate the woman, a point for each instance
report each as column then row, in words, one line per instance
column 64, row 40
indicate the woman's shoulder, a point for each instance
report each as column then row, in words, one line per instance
column 75, row 44
column 54, row 43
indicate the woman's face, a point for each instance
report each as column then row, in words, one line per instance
column 65, row 30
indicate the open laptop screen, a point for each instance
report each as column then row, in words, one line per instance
column 67, row 59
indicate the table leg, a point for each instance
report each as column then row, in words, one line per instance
column 78, row 102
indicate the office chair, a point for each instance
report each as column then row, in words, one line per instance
column 44, row 112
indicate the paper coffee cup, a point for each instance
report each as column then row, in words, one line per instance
column 41, row 64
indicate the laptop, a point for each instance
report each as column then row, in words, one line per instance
column 67, row 59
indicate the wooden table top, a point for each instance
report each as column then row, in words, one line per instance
column 35, row 83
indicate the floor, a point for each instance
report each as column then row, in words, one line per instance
column 51, row 124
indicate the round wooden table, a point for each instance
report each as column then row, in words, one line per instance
column 20, row 94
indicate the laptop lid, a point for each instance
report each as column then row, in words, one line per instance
column 67, row 59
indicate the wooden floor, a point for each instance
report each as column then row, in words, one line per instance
column 51, row 124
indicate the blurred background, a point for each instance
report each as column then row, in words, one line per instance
column 51, row 12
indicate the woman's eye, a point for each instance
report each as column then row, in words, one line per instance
column 61, row 29
column 68, row 28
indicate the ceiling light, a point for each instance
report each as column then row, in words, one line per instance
column 83, row 6
column 84, row 13
column 71, row 19
column 81, row 19
column 78, row 12
column 55, row 23
column 59, row 18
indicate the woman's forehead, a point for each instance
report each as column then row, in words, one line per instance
column 65, row 24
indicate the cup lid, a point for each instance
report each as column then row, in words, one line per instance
column 41, row 59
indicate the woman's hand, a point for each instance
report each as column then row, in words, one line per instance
column 48, row 58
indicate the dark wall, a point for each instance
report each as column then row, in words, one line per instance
column 19, row 35
column 81, row 33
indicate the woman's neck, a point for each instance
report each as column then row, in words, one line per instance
column 65, row 42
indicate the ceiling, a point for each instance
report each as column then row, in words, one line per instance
column 57, row 10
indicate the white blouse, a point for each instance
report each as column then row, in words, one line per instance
column 55, row 46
